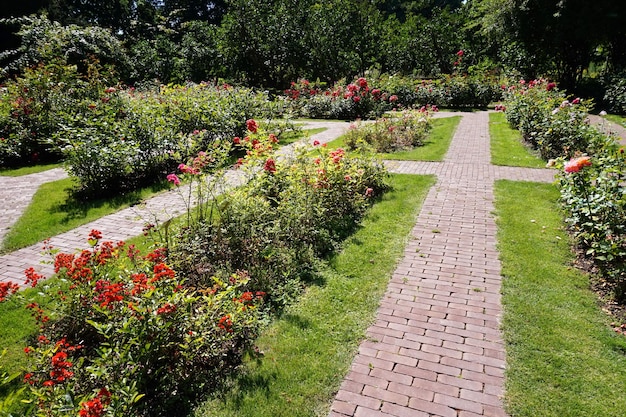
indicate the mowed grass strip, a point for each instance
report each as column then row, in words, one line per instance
column 507, row 145
column 308, row 351
column 563, row 359
column 26, row 170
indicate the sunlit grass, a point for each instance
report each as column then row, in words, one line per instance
column 563, row 359
column 31, row 169
column 507, row 146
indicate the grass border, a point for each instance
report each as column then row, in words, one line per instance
column 563, row 359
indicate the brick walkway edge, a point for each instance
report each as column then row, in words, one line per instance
column 436, row 348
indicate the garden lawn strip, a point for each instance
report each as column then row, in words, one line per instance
column 507, row 146
column 309, row 349
column 563, row 359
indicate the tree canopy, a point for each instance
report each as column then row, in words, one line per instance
column 272, row 43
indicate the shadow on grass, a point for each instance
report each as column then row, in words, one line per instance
column 76, row 207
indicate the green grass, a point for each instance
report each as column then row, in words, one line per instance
column 563, row 360
column 33, row 169
column 310, row 348
column 291, row 137
column 53, row 211
column 507, row 146
column 435, row 146
column 620, row 120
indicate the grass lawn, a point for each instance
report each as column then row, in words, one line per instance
column 563, row 358
column 310, row 348
column 621, row 120
column 53, row 211
column 33, row 169
column 435, row 146
column 507, row 146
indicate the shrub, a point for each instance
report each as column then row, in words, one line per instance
column 593, row 195
column 551, row 123
column 288, row 214
column 129, row 138
column 354, row 100
column 31, row 107
column 391, row 134
column 126, row 336
column 615, row 93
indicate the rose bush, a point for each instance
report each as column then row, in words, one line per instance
column 289, row 213
column 593, row 196
column 553, row 124
column 126, row 335
column 391, row 134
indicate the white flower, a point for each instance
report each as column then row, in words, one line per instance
column 602, row 113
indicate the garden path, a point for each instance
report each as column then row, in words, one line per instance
column 436, row 348
column 16, row 194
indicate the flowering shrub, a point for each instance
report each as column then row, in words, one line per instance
column 392, row 134
column 354, row 100
column 127, row 335
column 593, row 195
column 289, row 213
column 361, row 100
column 31, row 108
column 129, row 138
column 551, row 123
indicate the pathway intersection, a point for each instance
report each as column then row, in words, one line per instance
column 435, row 348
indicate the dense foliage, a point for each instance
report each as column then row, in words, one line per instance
column 553, row 124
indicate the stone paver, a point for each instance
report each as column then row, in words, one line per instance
column 436, row 348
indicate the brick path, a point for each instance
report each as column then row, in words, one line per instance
column 435, row 348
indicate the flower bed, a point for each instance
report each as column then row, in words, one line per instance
column 592, row 177
column 127, row 334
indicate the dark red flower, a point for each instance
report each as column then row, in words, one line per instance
column 270, row 166
column 252, row 125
